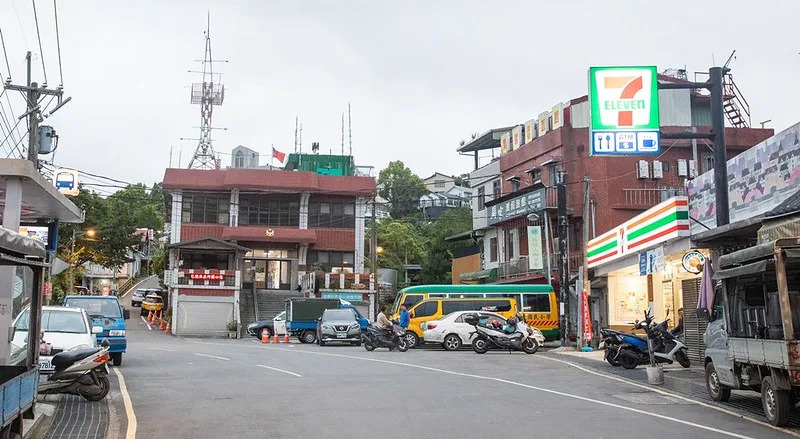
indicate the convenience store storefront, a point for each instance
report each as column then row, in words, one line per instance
column 646, row 261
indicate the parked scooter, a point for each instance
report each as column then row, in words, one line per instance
column 666, row 347
column 487, row 337
column 80, row 371
column 613, row 340
column 393, row 338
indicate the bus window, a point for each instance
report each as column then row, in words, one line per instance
column 536, row 302
column 432, row 296
column 412, row 299
column 500, row 305
column 466, row 296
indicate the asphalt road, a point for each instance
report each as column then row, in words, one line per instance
column 190, row 388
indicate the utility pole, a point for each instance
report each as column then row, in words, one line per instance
column 374, row 257
column 563, row 259
column 716, row 77
column 587, row 285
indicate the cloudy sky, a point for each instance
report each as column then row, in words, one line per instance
column 420, row 75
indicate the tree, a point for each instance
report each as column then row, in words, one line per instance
column 438, row 267
column 401, row 188
column 400, row 241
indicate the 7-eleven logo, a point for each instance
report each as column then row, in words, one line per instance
column 623, row 98
column 628, row 87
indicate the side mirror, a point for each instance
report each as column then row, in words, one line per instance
column 412, row 314
column 126, row 314
column 97, row 329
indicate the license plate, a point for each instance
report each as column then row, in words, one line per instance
column 45, row 365
column 341, row 335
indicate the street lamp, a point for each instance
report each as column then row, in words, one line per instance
column 378, row 249
column 89, row 233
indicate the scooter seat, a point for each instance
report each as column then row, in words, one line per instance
column 65, row 359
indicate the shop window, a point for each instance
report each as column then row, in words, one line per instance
column 205, row 208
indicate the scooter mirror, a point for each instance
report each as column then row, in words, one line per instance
column 105, row 343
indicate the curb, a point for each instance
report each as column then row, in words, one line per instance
column 43, row 415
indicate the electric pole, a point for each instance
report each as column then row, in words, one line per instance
column 587, row 285
column 563, row 259
column 374, row 257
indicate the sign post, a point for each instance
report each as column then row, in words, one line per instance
column 624, row 110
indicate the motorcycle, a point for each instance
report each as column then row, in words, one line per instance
column 666, row 347
column 613, row 340
column 80, row 371
column 393, row 338
column 487, row 337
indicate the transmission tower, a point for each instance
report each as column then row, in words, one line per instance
column 207, row 94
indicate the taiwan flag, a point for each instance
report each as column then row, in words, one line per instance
column 278, row 155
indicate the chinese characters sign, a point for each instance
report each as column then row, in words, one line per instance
column 206, row 276
column 517, row 206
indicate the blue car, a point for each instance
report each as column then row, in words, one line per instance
column 108, row 313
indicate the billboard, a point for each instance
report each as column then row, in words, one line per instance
column 530, row 130
column 543, row 123
column 558, row 116
column 505, row 143
column 623, row 104
column 516, row 137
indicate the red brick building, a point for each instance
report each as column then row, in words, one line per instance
column 236, row 234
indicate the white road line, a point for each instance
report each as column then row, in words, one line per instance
column 134, row 287
column 280, row 370
column 673, row 395
column 161, row 349
column 149, row 328
column 126, row 399
column 214, row 356
column 513, row 383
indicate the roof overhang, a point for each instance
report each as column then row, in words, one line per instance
column 729, row 234
column 209, row 244
column 487, row 140
column 40, row 198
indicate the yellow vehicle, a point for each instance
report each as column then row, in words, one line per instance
column 537, row 302
column 436, row 308
column 153, row 302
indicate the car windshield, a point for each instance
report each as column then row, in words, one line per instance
column 96, row 307
column 152, row 299
column 338, row 314
column 56, row 321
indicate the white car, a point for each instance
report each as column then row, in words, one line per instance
column 64, row 328
column 452, row 332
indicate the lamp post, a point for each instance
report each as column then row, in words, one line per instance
column 91, row 234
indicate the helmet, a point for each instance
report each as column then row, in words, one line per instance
column 513, row 321
column 495, row 323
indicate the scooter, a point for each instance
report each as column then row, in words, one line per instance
column 614, row 340
column 487, row 337
column 374, row 337
column 666, row 347
column 80, row 371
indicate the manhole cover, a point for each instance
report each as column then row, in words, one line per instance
column 649, row 398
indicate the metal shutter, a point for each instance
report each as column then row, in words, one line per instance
column 203, row 318
column 693, row 326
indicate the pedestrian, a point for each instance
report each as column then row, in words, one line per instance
column 405, row 317
column 678, row 329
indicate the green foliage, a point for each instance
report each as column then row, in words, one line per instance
column 159, row 262
column 400, row 239
column 438, row 268
column 401, row 188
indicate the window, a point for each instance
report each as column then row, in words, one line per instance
column 438, row 184
column 552, row 175
column 214, row 261
column 514, row 184
column 331, row 259
column 536, row 303
column 426, row 309
column 510, row 238
column 269, row 210
column 707, row 161
column 331, row 215
column 493, row 249
column 496, row 189
column 238, row 160
column 536, row 174
column 458, row 305
column 459, row 319
column 205, row 208
column 500, row 305
column 412, row 299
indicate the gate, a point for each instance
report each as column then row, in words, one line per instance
column 693, row 326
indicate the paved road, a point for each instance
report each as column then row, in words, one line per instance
column 187, row 388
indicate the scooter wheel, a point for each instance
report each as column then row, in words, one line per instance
column 402, row 344
column 369, row 346
column 628, row 362
column 530, row 346
column 609, row 354
column 105, row 386
column 480, row 346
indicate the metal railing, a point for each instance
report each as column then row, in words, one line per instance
column 521, row 267
column 650, row 197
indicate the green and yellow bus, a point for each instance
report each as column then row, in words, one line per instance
column 538, row 302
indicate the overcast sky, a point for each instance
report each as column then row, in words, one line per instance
column 420, row 75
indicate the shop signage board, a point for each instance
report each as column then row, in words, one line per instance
column 530, row 130
column 517, row 206
column 623, row 102
column 652, row 261
column 516, row 137
column 668, row 220
column 535, row 259
column 693, row 261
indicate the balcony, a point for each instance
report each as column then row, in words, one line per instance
column 520, row 268
column 647, row 198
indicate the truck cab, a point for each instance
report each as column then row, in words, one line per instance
column 751, row 339
column 108, row 313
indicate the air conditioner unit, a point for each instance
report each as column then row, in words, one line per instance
column 683, row 168
column 643, row 169
column 658, row 170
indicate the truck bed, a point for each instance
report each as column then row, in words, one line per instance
column 771, row 353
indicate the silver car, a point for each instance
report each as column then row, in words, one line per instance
column 338, row 325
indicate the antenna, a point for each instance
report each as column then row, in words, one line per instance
column 730, row 58
column 296, row 121
column 342, row 133
column 350, row 129
column 170, row 156
column 207, row 94
column 301, row 138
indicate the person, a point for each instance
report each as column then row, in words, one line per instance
column 678, row 329
column 382, row 322
column 405, row 317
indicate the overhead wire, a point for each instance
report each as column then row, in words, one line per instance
column 21, row 28
column 39, row 37
column 58, row 45
column 5, row 54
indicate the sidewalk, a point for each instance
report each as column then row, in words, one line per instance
column 79, row 418
column 685, row 382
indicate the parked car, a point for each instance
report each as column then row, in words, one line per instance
column 268, row 327
column 138, row 296
column 452, row 332
column 339, row 325
column 437, row 308
column 64, row 329
column 153, row 302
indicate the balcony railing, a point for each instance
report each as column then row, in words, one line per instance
column 520, row 267
column 650, row 197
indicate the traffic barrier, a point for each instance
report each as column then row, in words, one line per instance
column 264, row 337
column 276, row 339
column 286, row 337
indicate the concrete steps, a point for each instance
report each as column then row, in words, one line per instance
column 270, row 303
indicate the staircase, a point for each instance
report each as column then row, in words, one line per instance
column 247, row 310
column 736, row 108
column 270, row 303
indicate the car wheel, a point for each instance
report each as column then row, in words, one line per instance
column 143, row 312
column 716, row 391
column 452, row 342
column 412, row 339
column 116, row 357
column 777, row 403
column 309, row 336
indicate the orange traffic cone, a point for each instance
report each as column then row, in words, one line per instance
column 161, row 326
column 150, row 316
column 167, row 331
column 264, row 337
column 286, row 337
column 153, row 318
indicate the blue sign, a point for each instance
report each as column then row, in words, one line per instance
column 643, row 263
column 626, row 142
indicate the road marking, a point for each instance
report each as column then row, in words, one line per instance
column 161, row 349
column 280, row 370
column 149, row 328
column 513, row 383
column 214, row 356
column 134, row 287
column 674, row 395
column 126, row 399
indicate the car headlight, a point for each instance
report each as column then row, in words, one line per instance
column 354, row 325
column 116, row 333
column 328, row 327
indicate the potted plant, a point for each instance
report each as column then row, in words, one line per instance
column 232, row 328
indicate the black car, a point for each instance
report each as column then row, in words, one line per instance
column 267, row 327
column 138, row 296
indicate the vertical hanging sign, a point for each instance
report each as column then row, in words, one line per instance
column 535, row 260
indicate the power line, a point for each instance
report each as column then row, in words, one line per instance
column 21, row 28
column 5, row 54
column 39, row 37
column 58, row 44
